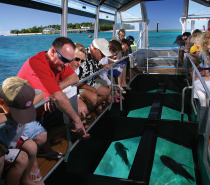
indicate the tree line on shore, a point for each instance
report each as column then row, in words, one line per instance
column 102, row 27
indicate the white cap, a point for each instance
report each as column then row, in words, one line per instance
column 103, row 45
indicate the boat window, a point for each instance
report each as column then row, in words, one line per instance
column 106, row 16
column 196, row 10
column 133, row 14
column 196, row 24
column 105, row 9
column 198, row 17
column 50, row 2
column 78, row 5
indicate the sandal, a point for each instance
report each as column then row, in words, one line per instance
column 98, row 111
column 36, row 175
column 116, row 99
column 86, row 125
column 119, row 97
column 50, row 155
column 104, row 105
column 89, row 118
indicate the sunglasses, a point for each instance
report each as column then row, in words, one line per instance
column 63, row 59
column 78, row 59
column 102, row 55
column 185, row 38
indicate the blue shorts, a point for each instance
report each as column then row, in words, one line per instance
column 33, row 129
column 117, row 70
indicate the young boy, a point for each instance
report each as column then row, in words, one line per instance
column 16, row 100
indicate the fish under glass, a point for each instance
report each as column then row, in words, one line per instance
column 118, row 158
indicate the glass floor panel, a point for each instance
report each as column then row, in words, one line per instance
column 140, row 113
column 167, row 113
column 167, row 91
column 161, row 174
column 112, row 164
column 171, row 114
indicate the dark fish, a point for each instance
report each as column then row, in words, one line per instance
column 121, row 151
column 176, row 167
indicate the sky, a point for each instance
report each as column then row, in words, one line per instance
column 14, row 17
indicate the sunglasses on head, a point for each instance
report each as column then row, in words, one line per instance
column 78, row 59
column 63, row 59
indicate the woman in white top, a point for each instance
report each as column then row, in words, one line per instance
column 79, row 58
column 205, row 51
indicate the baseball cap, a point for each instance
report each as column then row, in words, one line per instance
column 178, row 39
column 130, row 39
column 194, row 48
column 103, row 45
column 19, row 95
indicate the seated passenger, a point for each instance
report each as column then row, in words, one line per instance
column 16, row 100
column 205, row 51
column 186, row 36
column 50, row 72
column 121, row 34
column 97, row 50
column 114, row 48
column 194, row 53
column 180, row 42
column 79, row 58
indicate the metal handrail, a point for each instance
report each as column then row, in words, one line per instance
column 193, row 89
column 81, row 81
column 141, row 35
column 201, row 80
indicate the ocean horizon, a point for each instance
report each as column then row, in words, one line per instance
column 15, row 50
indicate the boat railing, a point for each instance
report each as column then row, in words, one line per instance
column 203, row 112
column 140, row 38
column 66, row 119
column 206, row 99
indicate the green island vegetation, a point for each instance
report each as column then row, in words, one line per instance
column 102, row 27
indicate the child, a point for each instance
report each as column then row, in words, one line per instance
column 16, row 100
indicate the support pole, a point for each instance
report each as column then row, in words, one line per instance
column 115, row 24
column 96, row 26
column 64, row 18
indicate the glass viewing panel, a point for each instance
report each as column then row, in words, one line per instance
column 172, row 167
column 113, row 164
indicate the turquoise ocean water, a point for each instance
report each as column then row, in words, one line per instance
column 15, row 50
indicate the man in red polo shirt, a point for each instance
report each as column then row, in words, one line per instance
column 49, row 71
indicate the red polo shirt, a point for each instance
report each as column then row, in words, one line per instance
column 36, row 70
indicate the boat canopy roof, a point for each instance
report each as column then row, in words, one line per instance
column 85, row 8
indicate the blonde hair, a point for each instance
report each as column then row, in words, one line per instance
column 196, row 38
column 204, row 42
column 121, row 31
column 80, row 47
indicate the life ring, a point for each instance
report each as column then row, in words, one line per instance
column 209, row 25
column 90, row 36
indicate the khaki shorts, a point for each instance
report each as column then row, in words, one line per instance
column 96, row 86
